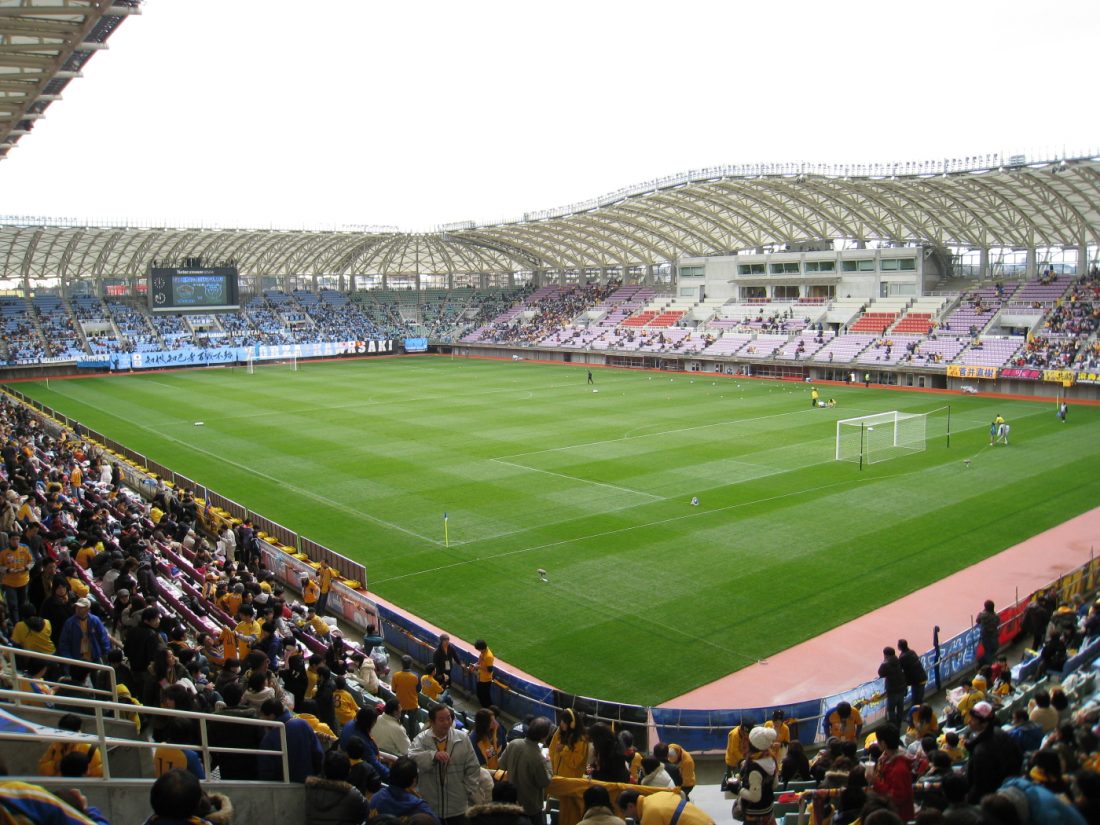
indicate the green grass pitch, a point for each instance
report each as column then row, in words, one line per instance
column 538, row 471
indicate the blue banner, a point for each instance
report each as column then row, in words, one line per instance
column 200, row 357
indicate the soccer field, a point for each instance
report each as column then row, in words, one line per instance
column 648, row 596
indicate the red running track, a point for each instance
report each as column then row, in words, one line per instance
column 850, row 654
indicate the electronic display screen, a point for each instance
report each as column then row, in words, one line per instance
column 179, row 290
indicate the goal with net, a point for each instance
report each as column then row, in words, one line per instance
column 290, row 361
column 872, row 438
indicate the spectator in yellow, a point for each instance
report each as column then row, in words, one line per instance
column 950, row 744
column 485, row 740
column 316, row 624
column 343, row 703
column 977, row 694
column 35, row 682
column 678, row 757
column 569, row 758
column 922, row 723
column 124, row 698
column 430, row 686
column 405, row 685
column 88, row 550
column 843, row 722
column 233, row 599
column 76, row 480
column 324, row 733
column 76, row 584
column 33, row 633
column 737, row 748
column 16, row 562
column 311, row 591
column 782, row 735
column 50, row 762
column 171, row 755
column 312, row 678
column 661, row 808
column 248, row 631
column 325, row 576
column 486, row 663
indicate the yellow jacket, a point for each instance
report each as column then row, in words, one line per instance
column 737, row 746
column 568, row 760
column 50, row 762
column 658, row 808
column 18, row 563
column 344, row 707
column 686, row 764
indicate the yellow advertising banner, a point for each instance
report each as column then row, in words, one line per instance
column 1059, row 377
column 963, row 371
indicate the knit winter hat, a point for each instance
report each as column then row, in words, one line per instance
column 982, row 710
column 762, row 738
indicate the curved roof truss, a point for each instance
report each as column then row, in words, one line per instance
column 1049, row 203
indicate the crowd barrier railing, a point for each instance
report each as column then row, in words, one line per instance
column 98, row 710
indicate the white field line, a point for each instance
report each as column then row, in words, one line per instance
column 502, row 460
column 628, row 437
column 672, row 519
column 576, row 479
column 328, row 502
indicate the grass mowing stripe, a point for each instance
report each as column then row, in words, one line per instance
column 783, row 531
column 328, row 502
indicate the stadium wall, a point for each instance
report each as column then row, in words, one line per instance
column 127, row 800
column 1083, row 386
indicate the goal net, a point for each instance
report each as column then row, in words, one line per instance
column 872, row 438
column 290, row 362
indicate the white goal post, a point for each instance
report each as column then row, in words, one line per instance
column 289, row 361
column 880, row 437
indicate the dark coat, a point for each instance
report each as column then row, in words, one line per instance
column 915, row 674
column 994, row 756
column 302, row 746
column 891, row 671
column 330, row 802
column 229, row 735
column 497, row 813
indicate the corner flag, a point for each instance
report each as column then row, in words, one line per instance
column 446, row 539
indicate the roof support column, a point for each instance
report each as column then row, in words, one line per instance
column 1032, row 268
column 1082, row 257
column 983, row 263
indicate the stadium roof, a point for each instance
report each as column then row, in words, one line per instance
column 43, row 45
column 972, row 202
column 984, row 201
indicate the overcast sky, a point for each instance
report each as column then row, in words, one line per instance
column 270, row 112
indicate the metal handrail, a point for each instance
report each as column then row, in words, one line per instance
column 100, row 707
column 7, row 665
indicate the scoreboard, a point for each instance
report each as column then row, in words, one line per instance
column 180, row 289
